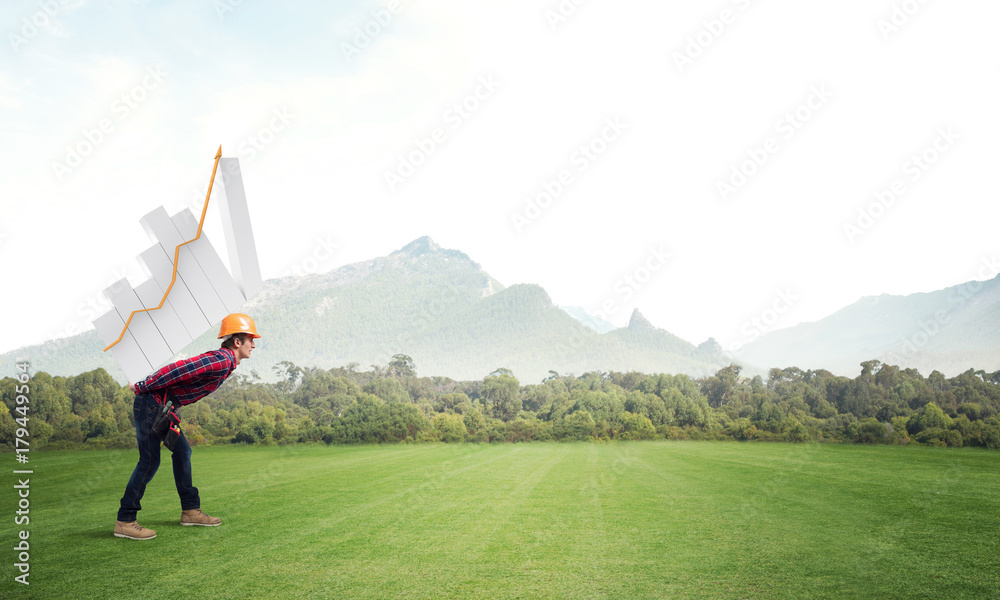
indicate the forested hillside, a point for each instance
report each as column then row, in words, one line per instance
column 390, row 404
column 433, row 304
column 949, row 330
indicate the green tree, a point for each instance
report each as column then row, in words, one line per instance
column 796, row 431
column 577, row 426
column 533, row 397
column 101, row 422
column 500, row 392
column 931, row 417
column 973, row 410
column 650, row 406
column 636, row 427
column 8, row 428
column 602, row 406
column 450, row 428
column 474, row 421
column 387, row 389
column 719, row 388
column 528, row 429
column 257, row 429
column 88, row 390
column 453, row 401
column 868, row 431
column 402, row 365
column 288, row 375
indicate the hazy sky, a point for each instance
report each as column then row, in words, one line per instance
column 707, row 162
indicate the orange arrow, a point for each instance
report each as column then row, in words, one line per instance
column 177, row 253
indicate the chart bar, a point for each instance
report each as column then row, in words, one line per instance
column 209, row 261
column 150, row 341
column 238, row 232
column 130, row 358
column 165, row 318
column 160, row 268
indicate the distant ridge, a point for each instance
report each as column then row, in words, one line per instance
column 434, row 304
column 637, row 322
column 419, row 247
column 442, row 309
column 949, row 330
column 596, row 323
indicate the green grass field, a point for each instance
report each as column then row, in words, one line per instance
column 626, row 520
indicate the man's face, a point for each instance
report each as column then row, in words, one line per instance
column 243, row 348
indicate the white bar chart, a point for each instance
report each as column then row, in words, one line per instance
column 178, row 302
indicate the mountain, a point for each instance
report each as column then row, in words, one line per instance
column 435, row 305
column 596, row 323
column 949, row 330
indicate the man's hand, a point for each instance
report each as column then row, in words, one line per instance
column 131, row 386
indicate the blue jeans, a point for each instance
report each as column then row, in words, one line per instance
column 144, row 410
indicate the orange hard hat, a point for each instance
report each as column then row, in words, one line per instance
column 237, row 323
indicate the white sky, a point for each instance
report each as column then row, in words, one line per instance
column 225, row 71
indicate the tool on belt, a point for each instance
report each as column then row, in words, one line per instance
column 167, row 422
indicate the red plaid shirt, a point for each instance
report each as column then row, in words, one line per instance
column 190, row 379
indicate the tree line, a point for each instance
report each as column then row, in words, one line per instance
column 392, row 404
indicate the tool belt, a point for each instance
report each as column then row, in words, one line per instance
column 167, row 422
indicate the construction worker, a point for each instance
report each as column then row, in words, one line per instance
column 185, row 381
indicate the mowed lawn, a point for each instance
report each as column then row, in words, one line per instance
column 580, row 520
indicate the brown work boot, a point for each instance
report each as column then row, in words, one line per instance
column 196, row 517
column 133, row 531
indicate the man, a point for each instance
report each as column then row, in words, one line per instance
column 186, row 381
